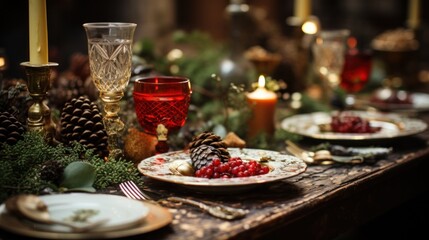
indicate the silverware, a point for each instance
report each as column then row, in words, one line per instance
column 131, row 190
column 322, row 157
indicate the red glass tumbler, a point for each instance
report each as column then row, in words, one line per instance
column 356, row 71
column 161, row 105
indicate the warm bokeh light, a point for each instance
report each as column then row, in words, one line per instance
column 311, row 26
column 174, row 54
column 352, row 42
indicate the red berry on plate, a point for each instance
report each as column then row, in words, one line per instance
column 235, row 167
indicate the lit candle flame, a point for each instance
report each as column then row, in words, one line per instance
column 261, row 81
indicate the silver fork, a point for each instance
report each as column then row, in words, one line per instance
column 131, row 190
column 323, row 157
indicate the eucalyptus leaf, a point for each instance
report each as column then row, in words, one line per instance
column 79, row 176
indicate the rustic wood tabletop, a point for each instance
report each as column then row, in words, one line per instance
column 321, row 203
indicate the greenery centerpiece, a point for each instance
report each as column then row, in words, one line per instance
column 76, row 163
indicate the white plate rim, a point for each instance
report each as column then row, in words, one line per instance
column 420, row 102
column 158, row 217
column 121, row 212
column 301, row 123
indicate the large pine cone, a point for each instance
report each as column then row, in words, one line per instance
column 218, row 147
column 11, row 129
column 203, row 155
column 81, row 121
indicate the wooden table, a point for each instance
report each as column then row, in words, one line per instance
column 321, row 203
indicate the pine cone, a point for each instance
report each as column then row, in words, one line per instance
column 68, row 86
column 73, row 82
column 52, row 171
column 11, row 129
column 15, row 99
column 204, row 155
column 209, row 139
column 81, row 121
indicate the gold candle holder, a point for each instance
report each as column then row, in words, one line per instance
column 39, row 114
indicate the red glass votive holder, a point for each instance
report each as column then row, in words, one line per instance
column 356, row 71
column 161, row 100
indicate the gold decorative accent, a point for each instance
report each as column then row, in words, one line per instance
column 39, row 114
column 161, row 132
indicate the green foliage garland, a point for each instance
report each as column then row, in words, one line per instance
column 21, row 164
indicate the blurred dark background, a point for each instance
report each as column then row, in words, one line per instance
column 157, row 19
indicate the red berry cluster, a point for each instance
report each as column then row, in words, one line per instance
column 235, row 167
column 351, row 124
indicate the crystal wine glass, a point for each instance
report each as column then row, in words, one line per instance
column 110, row 54
column 329, row 50
column 161, row 104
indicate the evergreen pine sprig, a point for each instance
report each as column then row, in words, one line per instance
column 21, row 164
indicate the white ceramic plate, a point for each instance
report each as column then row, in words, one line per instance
column 128, row 217
column 392, row 126
column 282, row 166
column 420, row 101
column 121, row 212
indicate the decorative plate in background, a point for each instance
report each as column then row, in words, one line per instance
column 419, row 102
column 282, row 166
column 392, row 126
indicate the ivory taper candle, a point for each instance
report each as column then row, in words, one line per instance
column 413, row 21
column 302, row 9
column 38, row 32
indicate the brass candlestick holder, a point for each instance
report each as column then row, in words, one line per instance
column 39, row 114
